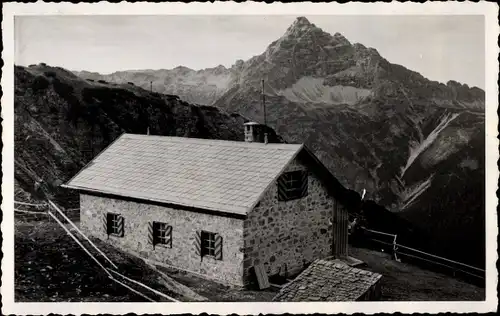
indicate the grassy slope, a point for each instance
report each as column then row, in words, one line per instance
column 50, row 266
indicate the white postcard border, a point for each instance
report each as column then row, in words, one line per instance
column 489, row 10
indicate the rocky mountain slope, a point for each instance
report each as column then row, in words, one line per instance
column 416, row 145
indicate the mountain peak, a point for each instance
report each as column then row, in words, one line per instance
column 301, row 21
column 301, row 27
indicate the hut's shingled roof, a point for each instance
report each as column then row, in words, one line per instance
column 223, row 176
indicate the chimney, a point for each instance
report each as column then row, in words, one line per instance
column 255, row 133
column 251, row 132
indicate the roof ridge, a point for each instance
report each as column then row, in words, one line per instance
column 181, row 139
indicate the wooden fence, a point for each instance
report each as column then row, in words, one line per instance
column 388, row 242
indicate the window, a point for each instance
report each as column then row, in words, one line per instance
column 114, row 224
column 162, row 234
column 209, row 244
column 292, row 185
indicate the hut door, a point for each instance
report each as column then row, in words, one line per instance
column 340, row 227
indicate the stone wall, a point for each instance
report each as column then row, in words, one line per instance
column 184, row 224
column 292, row 233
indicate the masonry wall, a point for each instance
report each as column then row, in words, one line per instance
column 184, row 224
column 289, row 233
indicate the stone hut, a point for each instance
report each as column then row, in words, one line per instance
column 212, row 207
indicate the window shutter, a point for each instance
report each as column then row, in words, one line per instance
column 105, row 224
column 292, row 185
column 282, row 196
column 218, row 247
column 304, row 180
column 197, row 243
column 151, row 237
column 120, row 226
column 168, row 235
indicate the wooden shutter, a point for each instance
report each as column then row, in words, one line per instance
column 197, row 243
column 282, row 193
column 168, row 236
column 304, row 182
column 218, row 247
column 151, row 236
column 285, row 193
column 105, row 224
column 120, row 226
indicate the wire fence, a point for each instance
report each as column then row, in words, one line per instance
column 37, row 211
column 388, row 242
column 113, row 272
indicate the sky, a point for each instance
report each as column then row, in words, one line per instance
column 440, row 47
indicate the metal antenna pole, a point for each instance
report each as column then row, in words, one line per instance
column 151, row 90
column 265, row 114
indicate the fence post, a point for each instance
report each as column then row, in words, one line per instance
column 395, row 249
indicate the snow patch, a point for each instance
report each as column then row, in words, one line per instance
column 472, row 164
column 313, row 90
column 412, row 193
column 417, row 148
column 445, row 146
